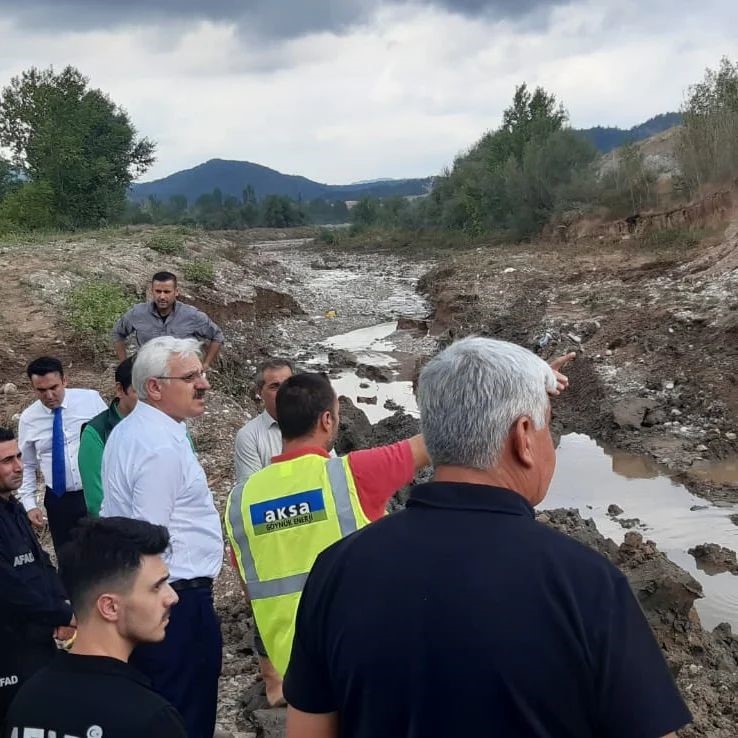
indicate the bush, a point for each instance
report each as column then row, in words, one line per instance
column 91, row 310
column 671, row 238
column 170, row 243
column 329, row 237
column 199, row 271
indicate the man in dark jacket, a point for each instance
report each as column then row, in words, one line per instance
column 33, row 605
column 95, row 435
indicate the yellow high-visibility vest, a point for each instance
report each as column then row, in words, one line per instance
column 278, row 522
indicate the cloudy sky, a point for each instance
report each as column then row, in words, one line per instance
column 346, row 90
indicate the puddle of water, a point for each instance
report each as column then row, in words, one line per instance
column 347, row 383
column 590, row 479
column 721, row 472
column 365, row 339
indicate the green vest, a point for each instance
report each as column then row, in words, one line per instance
column 104, row 422
column 278, row 523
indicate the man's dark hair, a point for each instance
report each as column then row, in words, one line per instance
column 301, row 400
column 164, row 277
column 105, row 554
column 45, row 365
column 6, row 435
column 271, row 364
column 124, row 373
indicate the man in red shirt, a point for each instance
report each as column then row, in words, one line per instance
column 287, row 513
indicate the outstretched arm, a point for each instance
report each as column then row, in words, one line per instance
column 557, row 364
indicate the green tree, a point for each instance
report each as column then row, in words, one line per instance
column 74, row 139
column 707, row 145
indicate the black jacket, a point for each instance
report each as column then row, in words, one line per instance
column 32, row 598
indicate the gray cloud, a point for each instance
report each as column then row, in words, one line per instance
column 268, row 19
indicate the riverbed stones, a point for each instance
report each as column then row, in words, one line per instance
column 375, row 373
column 714, row 559
column 630, row 413
column 614, row 510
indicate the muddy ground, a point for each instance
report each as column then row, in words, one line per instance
column 656, row 330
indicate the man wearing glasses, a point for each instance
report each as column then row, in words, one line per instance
column 151, row 473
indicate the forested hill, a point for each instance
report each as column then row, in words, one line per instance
column 605, row 139
column 232, row 177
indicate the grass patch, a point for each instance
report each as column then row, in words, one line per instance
column 678, row 239
column 170, row 243
column 199, row 271
column 91, row 310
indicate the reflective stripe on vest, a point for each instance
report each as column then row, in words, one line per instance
column 260, row 590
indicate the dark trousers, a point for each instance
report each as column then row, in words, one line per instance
column 184, row 668
column 64, row 513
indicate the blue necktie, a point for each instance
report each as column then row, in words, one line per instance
column 58, row 453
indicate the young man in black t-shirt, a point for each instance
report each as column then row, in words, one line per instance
column 117, row 582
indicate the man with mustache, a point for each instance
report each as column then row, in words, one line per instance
column 151, row 472
column 117, row 581
column 166, row 316
column 33, row 605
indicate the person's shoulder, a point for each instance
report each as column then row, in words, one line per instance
column 31, row 411
column 572, row 555
column 83, row 393
column 249, row 429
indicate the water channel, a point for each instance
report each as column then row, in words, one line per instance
column 588, row 477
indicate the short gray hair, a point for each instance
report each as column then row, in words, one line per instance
column 154, row 356
column 271, row 364
column 471, row 394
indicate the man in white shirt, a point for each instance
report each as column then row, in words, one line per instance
column 260, row 439
column 150, row 472
column 48, row 435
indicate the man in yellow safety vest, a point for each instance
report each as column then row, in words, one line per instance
column 290, row 511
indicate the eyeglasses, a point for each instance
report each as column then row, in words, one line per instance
column 189, row 378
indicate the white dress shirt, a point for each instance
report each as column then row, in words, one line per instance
column 256, row 443
column 34, row 438
column 150, row 472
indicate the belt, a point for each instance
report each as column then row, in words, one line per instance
column 66, row 492
column 198, row 583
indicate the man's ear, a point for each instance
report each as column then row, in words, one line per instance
column 326, row 420
column 521, row 441
column 108, row 605
column 153, row 388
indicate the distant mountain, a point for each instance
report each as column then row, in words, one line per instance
column 607, row 139
column 232, row 177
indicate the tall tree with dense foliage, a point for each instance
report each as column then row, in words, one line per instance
column 73, row 142
column 516, row 177
column 707, row 147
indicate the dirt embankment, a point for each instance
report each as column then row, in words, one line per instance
column 656, row 332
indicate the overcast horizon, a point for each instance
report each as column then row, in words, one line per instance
column 341, row 91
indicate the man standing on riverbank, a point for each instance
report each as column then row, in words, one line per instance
column 260, row 439
column 150, row 472
column 33, row 604
column 95, row 435
column 540, row 635
column 166, row 316
column 49, row 433
column 288, row 512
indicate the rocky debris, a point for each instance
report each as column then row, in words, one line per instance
column 614, row 510
column 734, row 519
column 412, row 324
column 354, row 428
column 396, row 427
column 367, row 400
column 629, row 522
column 270, row 723
column 9, row 388
column 375, row 373
column 631, row 413
column 341, row 357
column 714, row 559
column 391, row 405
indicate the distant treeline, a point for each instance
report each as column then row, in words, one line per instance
column 534, row 169
column 214, row 211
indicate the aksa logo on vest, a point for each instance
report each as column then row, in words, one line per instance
column 21, row 559
column 302, row 508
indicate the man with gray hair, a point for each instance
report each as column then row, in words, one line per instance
column 508, row 627
column 260, row 439
column 150, row 472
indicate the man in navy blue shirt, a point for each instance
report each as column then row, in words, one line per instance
column 463, row 616
column 33, row 604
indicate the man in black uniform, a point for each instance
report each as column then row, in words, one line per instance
column 33, row 605
column 117, row 581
